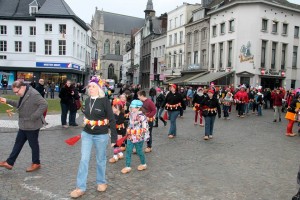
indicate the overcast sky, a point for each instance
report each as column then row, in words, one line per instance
column 85, row 9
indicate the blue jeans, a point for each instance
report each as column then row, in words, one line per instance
column 173, row 116
column 226, row 109
column 259, row 110
column 87, row 141
column 64, row 113
column 139, row 150
column 209, row 125
column 72, row 117
column 22, row 137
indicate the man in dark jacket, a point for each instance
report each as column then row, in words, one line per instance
column 31, row 107
column 152, row 93
column 41, row 88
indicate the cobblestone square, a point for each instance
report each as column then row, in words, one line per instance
column 247, row 159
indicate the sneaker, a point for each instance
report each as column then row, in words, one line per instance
column 228, row 118
column 65, row 126
column 76, row 193
column 148, row 150
column 210, row 136
column 102, row 187
column 113, row 159
column 201, row 125
column 126, row 170
column 205, row 137
column 142, row 167
column 195, row 123
column 274, row 120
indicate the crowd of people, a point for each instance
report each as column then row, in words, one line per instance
column 131, row 116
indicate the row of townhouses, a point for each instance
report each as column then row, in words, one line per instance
column 253, row 42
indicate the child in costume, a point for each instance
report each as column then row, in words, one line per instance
column 198, row 98
column 227, row 100
column 137, row 132
column 118, row 109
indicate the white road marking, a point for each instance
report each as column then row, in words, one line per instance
column 52, row 120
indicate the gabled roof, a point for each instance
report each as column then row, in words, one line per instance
column 56, row 7
column 59, row 9
column 117, row 23
column 220, row 3
column 17, row 8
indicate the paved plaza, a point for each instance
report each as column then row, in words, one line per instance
column 248, row 159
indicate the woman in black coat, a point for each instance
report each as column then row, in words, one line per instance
column 211, row 108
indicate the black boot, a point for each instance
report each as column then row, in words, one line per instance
column 155, row 122
column 164, row 121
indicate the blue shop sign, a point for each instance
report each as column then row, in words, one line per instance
column 58, row 65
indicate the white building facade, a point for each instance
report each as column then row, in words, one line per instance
column 136, row 57
column 126, row 65
column 258, row 41
column 175, row 44
column 34, row 46
column 158, row 61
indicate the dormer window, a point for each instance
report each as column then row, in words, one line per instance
column 33, row 7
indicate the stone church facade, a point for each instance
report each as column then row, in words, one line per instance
column 113, row 35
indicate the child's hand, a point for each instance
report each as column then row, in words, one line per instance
column 113, row 144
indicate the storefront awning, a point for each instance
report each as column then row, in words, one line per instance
column 184, row 78
column 207, row 78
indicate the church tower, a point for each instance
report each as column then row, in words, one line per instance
column 149, row 9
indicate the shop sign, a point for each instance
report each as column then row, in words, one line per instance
column 58, row 65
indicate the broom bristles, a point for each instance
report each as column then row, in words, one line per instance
column 121, row 140
column 73, row 140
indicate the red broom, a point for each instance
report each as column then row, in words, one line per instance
column 166, row 116
column 73, row 140
column 121, row 140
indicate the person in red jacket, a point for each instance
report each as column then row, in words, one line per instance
column 277, row 104
column 241, row 97
column 149, row 109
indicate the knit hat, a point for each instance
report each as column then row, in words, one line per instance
column 199, row 89
column 117, row 101
column 173, row 86
column 99, row 83
column 136, row 104
column 211, row 91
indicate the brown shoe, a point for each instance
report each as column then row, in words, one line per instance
column 33, row 167
column 102, row 187
column 126, row 170
column 142, row 167
column 205, row 137
column 76, row 193
column 148, row 150
column 6, row 165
